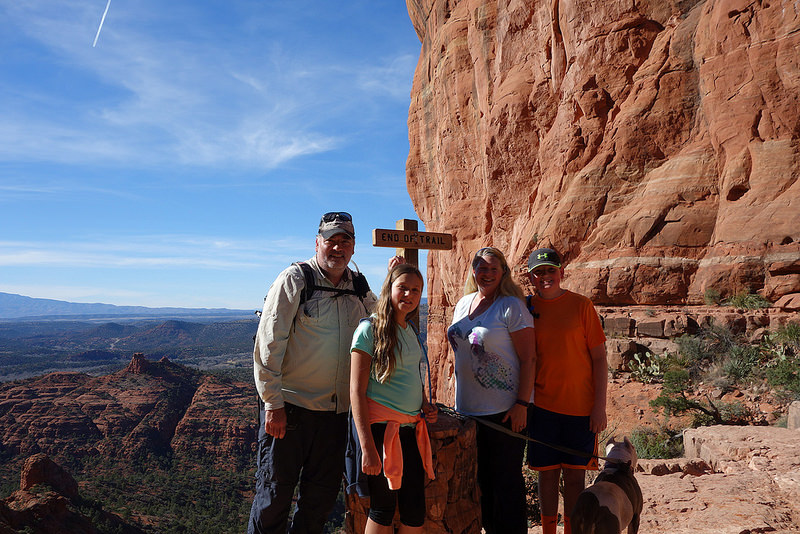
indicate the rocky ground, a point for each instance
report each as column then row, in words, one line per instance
column 733, row 480
column 747, row 480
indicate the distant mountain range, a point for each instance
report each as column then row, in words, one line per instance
column 40, row 336
column 18, row 307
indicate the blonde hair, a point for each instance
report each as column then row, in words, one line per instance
column 384, row 325
column 507, row 286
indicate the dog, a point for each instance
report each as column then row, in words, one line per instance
column 615, row 500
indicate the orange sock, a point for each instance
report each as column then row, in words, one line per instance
column 549, row 523
column 567, row 527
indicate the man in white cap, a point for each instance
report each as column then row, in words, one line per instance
column 302, row 370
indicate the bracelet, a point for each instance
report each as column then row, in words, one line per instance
column 522, row 402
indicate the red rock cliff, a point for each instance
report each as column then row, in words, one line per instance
column 656, row 143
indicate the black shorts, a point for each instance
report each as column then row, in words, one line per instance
column 410, row 497
column 568, row 431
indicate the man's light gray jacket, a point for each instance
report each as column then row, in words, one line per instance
column 302, row 353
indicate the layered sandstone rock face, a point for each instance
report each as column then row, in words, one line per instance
column 655, row 143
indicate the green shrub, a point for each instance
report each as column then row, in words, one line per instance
column 735, row 413
column 715, row 356
column 647, row 368
column 742, row 363
column 657, row 443
column 674, row 400
column 781, row 351
column 747, row 301
column 693, row 354
column 784, row 374
column 712, row 297
column 789, row 335
column 713, row 344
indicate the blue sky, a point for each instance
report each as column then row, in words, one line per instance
column 187, row 157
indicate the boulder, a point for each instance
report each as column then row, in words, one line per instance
column 789, row 303
column 650, row 328
column 619, row 326
column 39, row 469
column 793, row 420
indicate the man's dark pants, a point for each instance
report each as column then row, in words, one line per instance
column 313, row 453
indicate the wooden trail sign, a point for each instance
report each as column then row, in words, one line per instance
column 411, row 239
column 407, row 240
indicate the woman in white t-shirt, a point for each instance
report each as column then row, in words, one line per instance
column 495, row 354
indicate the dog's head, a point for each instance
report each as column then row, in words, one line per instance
column 622, row 452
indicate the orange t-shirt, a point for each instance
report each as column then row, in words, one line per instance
column 566, row 328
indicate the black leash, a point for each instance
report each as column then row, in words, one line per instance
column 500, row 428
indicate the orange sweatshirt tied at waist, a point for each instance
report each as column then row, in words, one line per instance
column 392, row 452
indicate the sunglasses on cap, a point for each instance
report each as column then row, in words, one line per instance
column 337, row 215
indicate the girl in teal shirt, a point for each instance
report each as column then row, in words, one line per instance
column 388, row 400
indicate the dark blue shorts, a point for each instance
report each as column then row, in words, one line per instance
column 568, row 431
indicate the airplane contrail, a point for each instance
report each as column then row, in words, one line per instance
column 102, row 20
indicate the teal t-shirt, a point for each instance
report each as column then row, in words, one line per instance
column 403, row 390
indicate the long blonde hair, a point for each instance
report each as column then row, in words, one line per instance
column 507, row 286
column 384, row 325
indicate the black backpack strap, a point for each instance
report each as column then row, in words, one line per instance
column 360, row 285
column 310, row 286
column 529, row 305
column 424, row 364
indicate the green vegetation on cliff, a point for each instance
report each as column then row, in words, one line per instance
column 717, row 358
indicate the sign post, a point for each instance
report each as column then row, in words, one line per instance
column 407, row 240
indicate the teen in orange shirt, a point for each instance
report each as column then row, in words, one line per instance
column 569, row 401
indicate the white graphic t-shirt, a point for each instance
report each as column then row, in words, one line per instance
column 486, row 364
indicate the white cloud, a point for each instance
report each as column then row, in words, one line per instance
column 12, row 192
column 382, row 186
column 152, row 251
column 155, row 97
column 392, row 78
